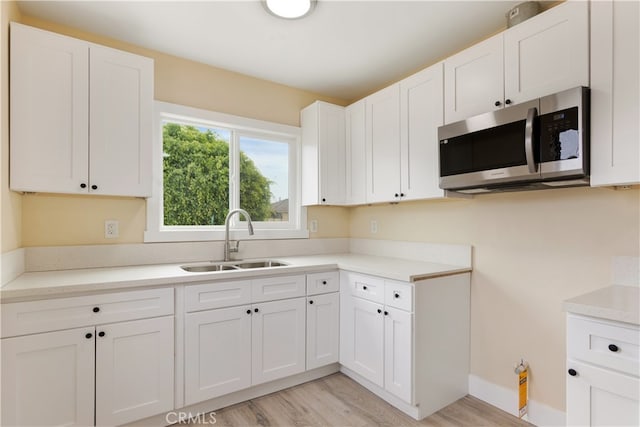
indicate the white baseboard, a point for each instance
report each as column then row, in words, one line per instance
column 507, row 400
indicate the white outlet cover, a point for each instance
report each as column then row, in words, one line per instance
column 313, row 226
column 111, row 229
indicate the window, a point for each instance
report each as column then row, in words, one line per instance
column 206, row 164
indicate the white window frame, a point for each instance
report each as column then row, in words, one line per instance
column 295, row 228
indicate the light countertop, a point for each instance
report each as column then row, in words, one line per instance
column 69, row 282
column 618, row 303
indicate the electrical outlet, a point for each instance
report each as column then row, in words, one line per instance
column 313, row 226
column 110, row 229
column 374, row 226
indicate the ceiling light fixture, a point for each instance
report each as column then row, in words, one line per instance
column 289, row 9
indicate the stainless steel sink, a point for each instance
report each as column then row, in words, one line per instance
column 203, row 268
column 260, row 264
column 217, row 266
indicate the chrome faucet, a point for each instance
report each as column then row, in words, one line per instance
column 227, row 245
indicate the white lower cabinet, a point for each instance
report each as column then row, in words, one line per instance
column 323, row 329
column 53, row 378
column 603, row 382
column 278, row 340
column 387, row 326
column 47, row 379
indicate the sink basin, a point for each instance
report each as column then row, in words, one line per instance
column 202, row 268
column 260, row 264
column 217, row 266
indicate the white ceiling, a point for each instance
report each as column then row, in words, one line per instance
column 345, row 49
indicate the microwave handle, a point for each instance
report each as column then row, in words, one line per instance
column 528, row 140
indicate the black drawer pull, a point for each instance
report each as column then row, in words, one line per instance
column 507, row 101
column 310, row 301
column 89, row 336
column 386, row 313
column 396, row 295
column 83, row 185
column 614, row 348
column 497, row 103
column 364, row 288
column 379, row 311
column 324, row 282
column 94, row 187
column 96, row 309
column 255, row 310
column 101, row 334
column 249, row 311
column 572, row 372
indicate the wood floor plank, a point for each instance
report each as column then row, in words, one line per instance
column 338, row 401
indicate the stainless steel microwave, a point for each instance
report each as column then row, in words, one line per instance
column 537, row 144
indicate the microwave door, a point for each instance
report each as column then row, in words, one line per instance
column 489, row 149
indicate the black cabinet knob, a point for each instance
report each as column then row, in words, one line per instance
column 386, row 313
column 497, row 103
column 89, row 336
column 94, row 187
column 96, row 309
column 255, row 310
column 324, row 200
column 397, row 195
column 364, row 288
column 248, row 311
column 507, row 101
column 310, row 301
column 396, row 295
column 83, row 185
column 401, row 194
column 379, row 311
column 614, row 348
column 324, row 282
column 101, row 334
column 572, row 372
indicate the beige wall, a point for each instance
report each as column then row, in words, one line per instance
column 531, row 251
column 51, row 220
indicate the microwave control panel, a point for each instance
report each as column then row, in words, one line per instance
column 559, row 135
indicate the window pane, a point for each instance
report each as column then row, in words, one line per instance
column 196, row 174
column 264, row 179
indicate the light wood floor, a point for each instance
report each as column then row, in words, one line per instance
column 337, row 400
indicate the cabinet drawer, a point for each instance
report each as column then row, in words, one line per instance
column 322, row 283
column 274, row 288
column 608, row 344
column 398, row 295
column 49, row 315
column 217, row 295
column 367, row 287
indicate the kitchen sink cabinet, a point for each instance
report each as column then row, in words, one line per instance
column 387, row 326
column 615, row 89
column 323, row 154
column 543, row 55
column 114, row 365
column 80, row 116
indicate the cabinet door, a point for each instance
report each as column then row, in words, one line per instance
column 278, row 339
column 48, row 379
column 398, row 353
column 217, row 353
column 383, row 145
column 368, row 339
column 49, row 111
column 421, row 112
column 356, row 173
column 322, row 330
column 134, row 370
column 121, row 102
column 474, row 80
column 615, row 92
column 331, row 135
column 600, row 397
column 548, row 53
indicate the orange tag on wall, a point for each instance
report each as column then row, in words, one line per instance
column 523, row 385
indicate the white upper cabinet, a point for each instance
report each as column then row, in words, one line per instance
column 548, row 53
column 474, row 81
column 545, row 54
column 383, row 145
column 421, row 112
column 356, row 172
column 120, row 100
column 615, row 92
column 80, row 116
column 49, row 111
column 323, row 154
